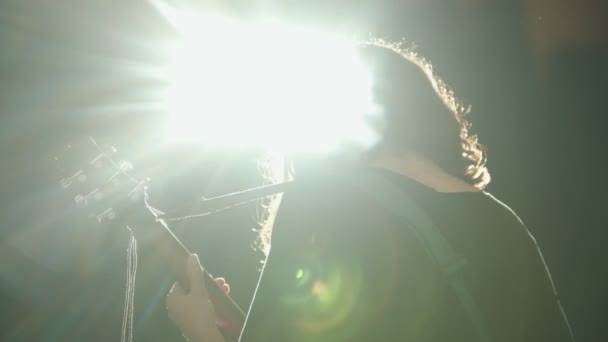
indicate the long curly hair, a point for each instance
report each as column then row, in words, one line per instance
column 421, row 114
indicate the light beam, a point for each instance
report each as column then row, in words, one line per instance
column 266, row 84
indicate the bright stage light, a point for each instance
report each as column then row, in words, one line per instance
column 266, row 84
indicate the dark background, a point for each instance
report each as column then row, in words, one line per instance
column 534, row 71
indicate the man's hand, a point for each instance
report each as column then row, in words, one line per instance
column 193, row 312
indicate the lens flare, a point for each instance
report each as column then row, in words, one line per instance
column 267, row 84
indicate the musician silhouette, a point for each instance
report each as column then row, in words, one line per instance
column 401, row 243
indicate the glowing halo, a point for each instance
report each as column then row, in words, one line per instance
column 265, row 83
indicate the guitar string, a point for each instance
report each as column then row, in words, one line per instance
column 123, row 168
column 132, row 305
column 188, row 217
column 127, row 295
column 128, row 313
column 126, row 304
column 128, row 310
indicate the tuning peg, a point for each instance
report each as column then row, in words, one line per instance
column 97, row 195
column 82, row 177
column 97, row 162
column 108, row 214
column 125, row 166
column 67, row 182
column 137, row 193
column 81, row 201
column 115, row 181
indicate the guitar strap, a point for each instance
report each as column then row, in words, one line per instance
column 447, row 261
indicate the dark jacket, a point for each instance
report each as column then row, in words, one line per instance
column 344, row 268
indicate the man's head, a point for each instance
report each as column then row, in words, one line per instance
column 421, row 113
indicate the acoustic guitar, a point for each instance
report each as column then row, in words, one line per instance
column 108, row 190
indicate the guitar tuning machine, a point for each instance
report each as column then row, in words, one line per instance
column 125, row 166
column 108, row 214
column 115, row 181
column 97, row 162
column 105, row 153
column 83, row 200
column 138, row 191
column 68, row 181
column 65, row 183
column 82, row 177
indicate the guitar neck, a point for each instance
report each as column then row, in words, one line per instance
column 109, row 190
column 175, row 254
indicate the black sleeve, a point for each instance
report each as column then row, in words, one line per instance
column 342, row 267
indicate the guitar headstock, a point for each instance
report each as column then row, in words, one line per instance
column 99, row 181
column 108, row 189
